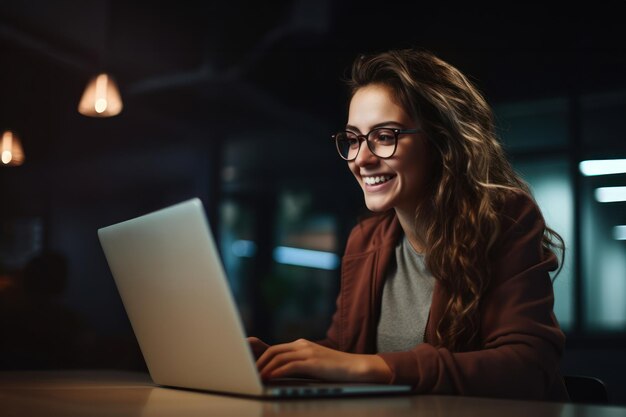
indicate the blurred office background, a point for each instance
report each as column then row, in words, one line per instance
column 234, row 102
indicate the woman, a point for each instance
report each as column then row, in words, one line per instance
column 447, row 287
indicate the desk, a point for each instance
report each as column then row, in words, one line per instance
column 120, row 394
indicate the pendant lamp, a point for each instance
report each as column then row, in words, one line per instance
column 101, row 97
column 11, row 152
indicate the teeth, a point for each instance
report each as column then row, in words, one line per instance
column 376, row 180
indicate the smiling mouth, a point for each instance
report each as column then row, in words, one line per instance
column 377, row 180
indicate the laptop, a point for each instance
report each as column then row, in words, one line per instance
column 172, row 283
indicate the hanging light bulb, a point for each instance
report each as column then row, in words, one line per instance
column 101, row 97
column 11, row 153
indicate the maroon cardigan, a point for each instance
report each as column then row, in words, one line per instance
column 521, row 339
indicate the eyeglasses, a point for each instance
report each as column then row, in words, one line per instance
column 381, row 141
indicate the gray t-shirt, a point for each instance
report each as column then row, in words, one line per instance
column 406, row 299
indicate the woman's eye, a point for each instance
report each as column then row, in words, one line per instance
column 384, row 138
column 352, row 142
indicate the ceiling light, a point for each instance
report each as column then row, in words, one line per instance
column 602, row 167
column 101, row 97
column 610, row 194
column 11, row 152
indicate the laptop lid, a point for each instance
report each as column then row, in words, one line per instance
column 170, row 277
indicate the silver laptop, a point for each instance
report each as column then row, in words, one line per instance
column 175, row 292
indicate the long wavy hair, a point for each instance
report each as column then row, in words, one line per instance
column 471, row 180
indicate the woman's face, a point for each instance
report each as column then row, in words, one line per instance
column 398, row 182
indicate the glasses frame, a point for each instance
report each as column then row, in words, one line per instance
column 396, row 132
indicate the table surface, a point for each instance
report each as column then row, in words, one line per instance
column 113, row 393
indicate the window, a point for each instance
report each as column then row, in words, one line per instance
column 604, row 256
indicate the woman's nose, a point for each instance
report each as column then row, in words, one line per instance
column 365, row 156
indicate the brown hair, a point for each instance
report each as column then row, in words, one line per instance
column 472, row 179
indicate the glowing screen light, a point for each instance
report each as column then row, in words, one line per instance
column 619, row 232
column 244, row 248
column 306, row 257
column 610, row 194
column 603, row 167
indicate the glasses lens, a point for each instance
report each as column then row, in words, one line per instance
column 347, row 144
column 382, row 142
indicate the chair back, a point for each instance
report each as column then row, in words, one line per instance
column 586, row 389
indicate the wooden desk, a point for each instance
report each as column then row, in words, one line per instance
column 120, row 394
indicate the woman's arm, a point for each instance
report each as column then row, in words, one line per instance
column 521, row 340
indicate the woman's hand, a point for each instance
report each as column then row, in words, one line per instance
column 305, row 358
column 258, row 346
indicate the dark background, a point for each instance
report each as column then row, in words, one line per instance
column 236, row 101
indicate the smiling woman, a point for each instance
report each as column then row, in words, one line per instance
column 446, row 287
column 392, row 182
